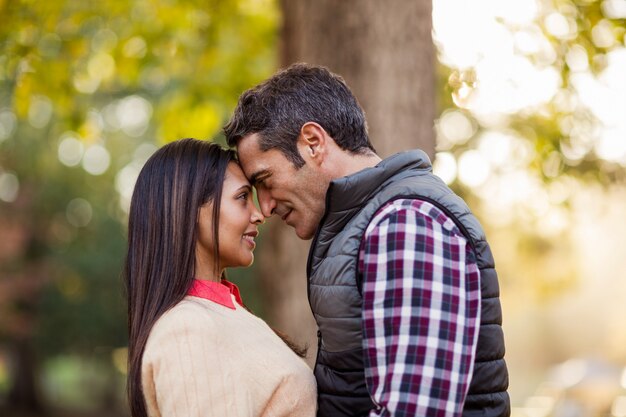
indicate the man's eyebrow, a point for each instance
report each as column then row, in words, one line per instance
column 254, row 178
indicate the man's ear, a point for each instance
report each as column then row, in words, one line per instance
column 312, row 142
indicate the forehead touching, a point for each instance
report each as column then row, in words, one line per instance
column 235, row 178
column 257, row 163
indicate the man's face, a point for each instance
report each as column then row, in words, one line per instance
column 296, row 195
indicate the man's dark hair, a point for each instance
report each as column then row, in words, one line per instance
column 277, row 108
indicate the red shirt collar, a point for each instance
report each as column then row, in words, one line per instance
column 218, row 292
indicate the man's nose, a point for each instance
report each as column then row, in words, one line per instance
column 257, row 217
column 266, row 203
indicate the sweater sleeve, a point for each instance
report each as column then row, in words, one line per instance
column 185, row 372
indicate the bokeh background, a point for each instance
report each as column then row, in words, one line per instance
column 520, row 103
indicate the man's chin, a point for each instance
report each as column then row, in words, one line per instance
column 306, row 229
column 304, row 234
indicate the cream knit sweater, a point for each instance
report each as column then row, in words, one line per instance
column 205, row 359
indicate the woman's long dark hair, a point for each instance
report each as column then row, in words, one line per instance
column 160, row 265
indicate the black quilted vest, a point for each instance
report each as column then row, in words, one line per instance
column 335, row 288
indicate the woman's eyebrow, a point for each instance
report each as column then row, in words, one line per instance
column 247, row 187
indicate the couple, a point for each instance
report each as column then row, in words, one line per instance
column 401, row 279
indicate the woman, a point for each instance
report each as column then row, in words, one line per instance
column 194, row 349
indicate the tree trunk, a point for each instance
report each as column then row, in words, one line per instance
column 23, row 394
column 385, row 53
column 282, row 275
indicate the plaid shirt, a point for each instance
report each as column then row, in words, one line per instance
column 421, row 311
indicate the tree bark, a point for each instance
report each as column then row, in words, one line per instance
column 282, row 275
column 23, row 395
column 385, row 53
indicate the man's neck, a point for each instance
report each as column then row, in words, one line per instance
column 348, row 164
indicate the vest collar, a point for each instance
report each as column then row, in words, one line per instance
column 351, row 191
column 347, row 195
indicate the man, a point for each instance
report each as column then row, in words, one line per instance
column 401, row 279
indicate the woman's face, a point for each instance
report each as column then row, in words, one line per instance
column 238, row 222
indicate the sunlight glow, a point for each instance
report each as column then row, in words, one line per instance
column 9, row 187
column 473, row 168
column 125, row 184
column 96, row 160
column 497, row 147
column 577, row 59
column 580, row 142
column 519, row 12
column 614, row 9
column 510, row 59
column 143, row 152
column 133, row 114
column 85, row 83
column 104, row 40
column 540, row 87
column 109, row 115
column 559, row 26
column 529, row 40
column 554, row 221
column 611, row 146
column 135, row 47
column 513, row 192
column 512, row 84
column 570, row 373
column 539, row 406
column 618, row 409
column 101, row 66
column 454, row 128
column 127, row 177
column 605, row 96
column 552, row 165
column 560, row 190
column 445, row 167
column 597, row 97
column 71, row 149
column 482, row 33
column 39, row 111
column 602, row 34
column 8, row 122
column 613, row 74
column 537, row 204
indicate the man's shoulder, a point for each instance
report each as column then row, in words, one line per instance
column 409, row 210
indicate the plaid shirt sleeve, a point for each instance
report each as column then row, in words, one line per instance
column 421, row 311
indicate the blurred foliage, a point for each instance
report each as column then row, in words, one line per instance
column 88, row 89
column 563, row 133
column 539, row 156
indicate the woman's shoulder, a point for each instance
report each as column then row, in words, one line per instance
column 186, row 319
column 187, row 306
